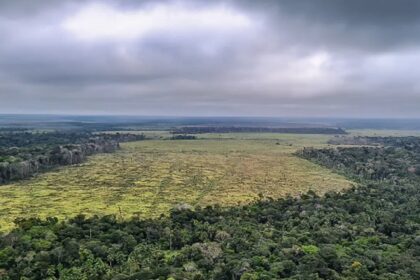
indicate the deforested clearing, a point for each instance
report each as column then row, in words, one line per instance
column 148, row 178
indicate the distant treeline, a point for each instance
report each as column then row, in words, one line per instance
column 183, row 137
column 392, row 158
column 229, row 129
column 25, row 154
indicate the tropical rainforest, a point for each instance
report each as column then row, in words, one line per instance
column 23, row 154
column 371, row 231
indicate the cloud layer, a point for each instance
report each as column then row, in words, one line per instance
column 263, row 58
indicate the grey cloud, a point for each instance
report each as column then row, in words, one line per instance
column 359, row 24
column 314, row 57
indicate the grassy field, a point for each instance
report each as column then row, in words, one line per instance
column 148, row 178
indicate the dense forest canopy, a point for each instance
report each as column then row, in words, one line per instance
column 386, row 158
column 23, row 154
column 368, row 232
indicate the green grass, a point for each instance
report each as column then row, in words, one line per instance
column 148, row 178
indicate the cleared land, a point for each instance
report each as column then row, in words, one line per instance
column 148, row 178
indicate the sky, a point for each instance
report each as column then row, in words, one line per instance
column 321, row 58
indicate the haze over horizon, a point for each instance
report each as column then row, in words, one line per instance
column 331, row 58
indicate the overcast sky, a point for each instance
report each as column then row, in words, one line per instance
column 211, row 58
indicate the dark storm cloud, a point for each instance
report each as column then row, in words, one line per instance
column 359, row 25
column 314, row 57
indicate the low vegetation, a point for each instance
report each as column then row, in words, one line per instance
column 148, row 178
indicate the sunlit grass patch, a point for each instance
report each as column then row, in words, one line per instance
column 148, row 178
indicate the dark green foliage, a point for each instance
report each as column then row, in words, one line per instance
column 183, row 137
column 396, row 159
column 368, row 232
column 24, row 154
